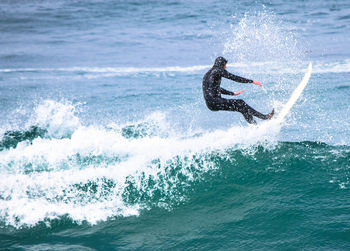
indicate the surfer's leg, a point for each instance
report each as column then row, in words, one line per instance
column 244, row 108
column 239, row 105
column 236, row 105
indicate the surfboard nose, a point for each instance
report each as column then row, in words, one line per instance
column 295, row 95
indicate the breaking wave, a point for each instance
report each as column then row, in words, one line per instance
column 59, row 168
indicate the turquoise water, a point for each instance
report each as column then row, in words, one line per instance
column 106, row 142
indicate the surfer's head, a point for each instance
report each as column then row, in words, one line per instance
column 220, row 62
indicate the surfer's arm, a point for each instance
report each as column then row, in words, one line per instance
column 226, row 92
column 235, row 78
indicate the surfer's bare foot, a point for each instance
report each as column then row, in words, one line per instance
column 271, row 113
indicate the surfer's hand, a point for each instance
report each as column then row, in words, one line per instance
column 257, row 83
column 237, row 93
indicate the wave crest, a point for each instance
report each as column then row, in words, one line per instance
column 96, row 173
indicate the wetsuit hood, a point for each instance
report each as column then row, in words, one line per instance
column 220, row 62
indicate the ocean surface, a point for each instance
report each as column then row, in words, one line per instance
column 106, row 142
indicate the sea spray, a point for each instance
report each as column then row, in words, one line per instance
column 262, row 37
column 58, row 118
column 261, row 40
column 103, row 172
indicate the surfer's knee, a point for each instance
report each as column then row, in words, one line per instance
column 240, row 105
column 240, row 102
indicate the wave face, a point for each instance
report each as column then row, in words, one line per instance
column 56, row 169
column 236, row 181
column 91, row 174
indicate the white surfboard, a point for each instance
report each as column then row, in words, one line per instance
column 295, row 96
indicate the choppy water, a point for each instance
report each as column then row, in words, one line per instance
column 106, row 143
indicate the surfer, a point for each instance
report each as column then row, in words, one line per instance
column 212, row 93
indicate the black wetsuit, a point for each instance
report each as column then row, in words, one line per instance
column 212, row 92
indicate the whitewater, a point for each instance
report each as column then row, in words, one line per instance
column 48, row 173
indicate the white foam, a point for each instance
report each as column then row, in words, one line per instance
column 40, row 180
column 58, row 118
